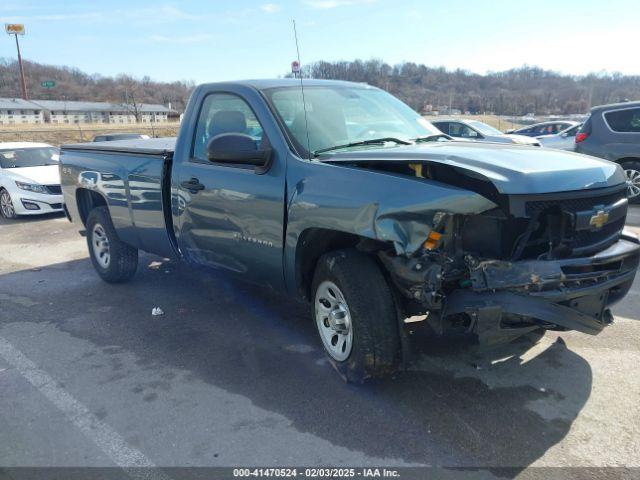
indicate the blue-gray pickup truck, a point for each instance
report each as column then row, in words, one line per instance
column 341, row 195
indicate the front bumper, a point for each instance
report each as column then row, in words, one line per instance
column 572, row 293
column 29, row 203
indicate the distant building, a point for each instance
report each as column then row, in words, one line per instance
column 154, row 113
column 16, row 111
column 61, row 111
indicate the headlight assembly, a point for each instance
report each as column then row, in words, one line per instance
column 32, row 187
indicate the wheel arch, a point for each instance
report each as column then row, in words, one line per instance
column 315, row 242
column 632, row 184
column 628, row 159
column 87, row 200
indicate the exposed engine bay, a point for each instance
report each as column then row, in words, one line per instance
column 556, row 261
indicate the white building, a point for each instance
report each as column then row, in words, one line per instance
column 71, row 112
column 16, row 111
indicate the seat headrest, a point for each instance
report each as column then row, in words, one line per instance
column 227, row 121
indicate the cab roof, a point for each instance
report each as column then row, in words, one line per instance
column 265, row 84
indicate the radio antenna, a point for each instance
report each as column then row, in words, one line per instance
column 304, row 102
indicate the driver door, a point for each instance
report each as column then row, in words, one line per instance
column 231, row 215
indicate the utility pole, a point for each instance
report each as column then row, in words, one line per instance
column 23, row 83
column 16, row 29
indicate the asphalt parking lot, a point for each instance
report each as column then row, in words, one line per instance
column 234, row 375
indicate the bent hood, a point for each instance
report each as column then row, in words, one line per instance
column 513, row 169
column 42, row 175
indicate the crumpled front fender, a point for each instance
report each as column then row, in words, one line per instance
column 375, row 205
column 367, row 203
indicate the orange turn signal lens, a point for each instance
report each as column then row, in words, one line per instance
column 432, row 240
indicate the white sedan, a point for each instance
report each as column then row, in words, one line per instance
column 29, row 179
column 564, row 140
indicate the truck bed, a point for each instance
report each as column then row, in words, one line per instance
column 133, row 177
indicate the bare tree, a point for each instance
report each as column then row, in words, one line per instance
column 513, row 92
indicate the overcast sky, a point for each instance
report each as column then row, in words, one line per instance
column 215, row 40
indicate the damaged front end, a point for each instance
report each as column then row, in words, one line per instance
column 520, row 255
column 552, row 261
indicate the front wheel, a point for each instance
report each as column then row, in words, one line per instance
column 355, row 315
column 114, row 260
column 632, row 172
column 6, row 205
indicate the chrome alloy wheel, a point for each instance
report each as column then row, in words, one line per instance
column 333, row 320
column 100, row 245
column 6, row 205
column 633, row 183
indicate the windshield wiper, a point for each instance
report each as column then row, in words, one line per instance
column 431, row 138
column 373, row 141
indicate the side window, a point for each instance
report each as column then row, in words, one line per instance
column 470, row 132
column 455, row 129
column 627, row 121
column 224, row 113
column 462, row 131
column 442, row 126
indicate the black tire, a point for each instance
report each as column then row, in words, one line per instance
column 375, row 348
column 122, row 260
column 12, row 215
column 632, row 166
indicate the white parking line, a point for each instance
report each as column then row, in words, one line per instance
column 134, row 462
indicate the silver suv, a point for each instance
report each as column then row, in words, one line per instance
column 612, row 132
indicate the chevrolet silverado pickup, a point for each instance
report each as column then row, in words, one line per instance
column 341, row 195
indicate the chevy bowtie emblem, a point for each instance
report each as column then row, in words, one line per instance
column 599, row 219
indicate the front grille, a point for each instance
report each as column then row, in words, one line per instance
column 53, row 189
column 56, row 206
column 579, row 241
column 585, row 238
column 574, row 204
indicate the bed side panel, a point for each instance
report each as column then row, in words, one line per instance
column 130, row 184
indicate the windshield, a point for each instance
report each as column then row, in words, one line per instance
column 29, row 157
column 484, row 128
column 339, row 115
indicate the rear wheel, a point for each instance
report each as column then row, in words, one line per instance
column 355, row 315
column 6, row 205
column 114, row 260
column 632, row 172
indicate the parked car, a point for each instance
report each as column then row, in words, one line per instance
column 613, row 132
column 119, row 136
column 29, row 179
column 544, row 128
column 479, row 131
column 564, row 140
column 362, row 208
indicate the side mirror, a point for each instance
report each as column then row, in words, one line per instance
column 238, row 148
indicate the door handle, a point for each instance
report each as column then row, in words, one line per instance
column 192, row 185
